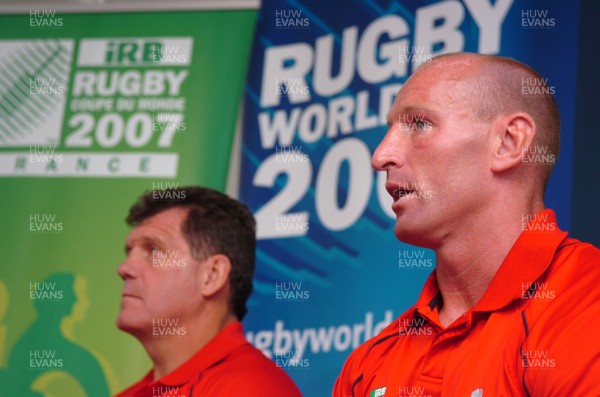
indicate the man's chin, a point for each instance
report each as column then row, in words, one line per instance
column 412, row 234
column 129, row 325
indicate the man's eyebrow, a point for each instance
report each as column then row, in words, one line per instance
column 395, row 113
column 143, row 240
column 416, row 109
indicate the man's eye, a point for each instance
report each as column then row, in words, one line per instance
column 422, row 126
column 152, row 250
column 414, row 124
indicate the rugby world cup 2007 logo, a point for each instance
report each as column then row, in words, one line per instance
column 33, row 90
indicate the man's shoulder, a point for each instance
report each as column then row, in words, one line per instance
column 581, row 248
column 249, row 371
column 248, row 354
column 371, row 352
column 575, row 262
column 562, row 323
column 568, row 291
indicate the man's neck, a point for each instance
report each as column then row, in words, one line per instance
column 468, row 260
column 169, row 353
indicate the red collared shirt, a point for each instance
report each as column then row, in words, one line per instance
column 227, row 366
column 533, row 333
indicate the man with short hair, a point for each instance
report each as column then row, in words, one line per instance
column 187, row 276
column 513, row 306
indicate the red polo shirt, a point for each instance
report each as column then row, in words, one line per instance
column 533, row 333
column 227, row 366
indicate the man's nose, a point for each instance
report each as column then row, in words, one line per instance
column 391, row 151
column 127, row 268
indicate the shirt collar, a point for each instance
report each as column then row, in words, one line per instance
column 230, row 338
column 430, row 300
column 527, row 260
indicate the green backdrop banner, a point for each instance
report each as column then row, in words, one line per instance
column 94, row 110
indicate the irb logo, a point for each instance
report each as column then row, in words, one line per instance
column 161, row 51
column 378, row 392
column 131, row 52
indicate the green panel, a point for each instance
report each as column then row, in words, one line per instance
column 68, row 176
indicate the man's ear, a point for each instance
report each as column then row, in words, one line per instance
column 513, row 138
column 215, row 274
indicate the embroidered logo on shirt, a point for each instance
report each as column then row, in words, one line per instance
column 378, row 392
column 477, row 393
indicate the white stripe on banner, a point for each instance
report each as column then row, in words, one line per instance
column 87, row 164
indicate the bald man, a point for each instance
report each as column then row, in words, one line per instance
column 513, row 305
